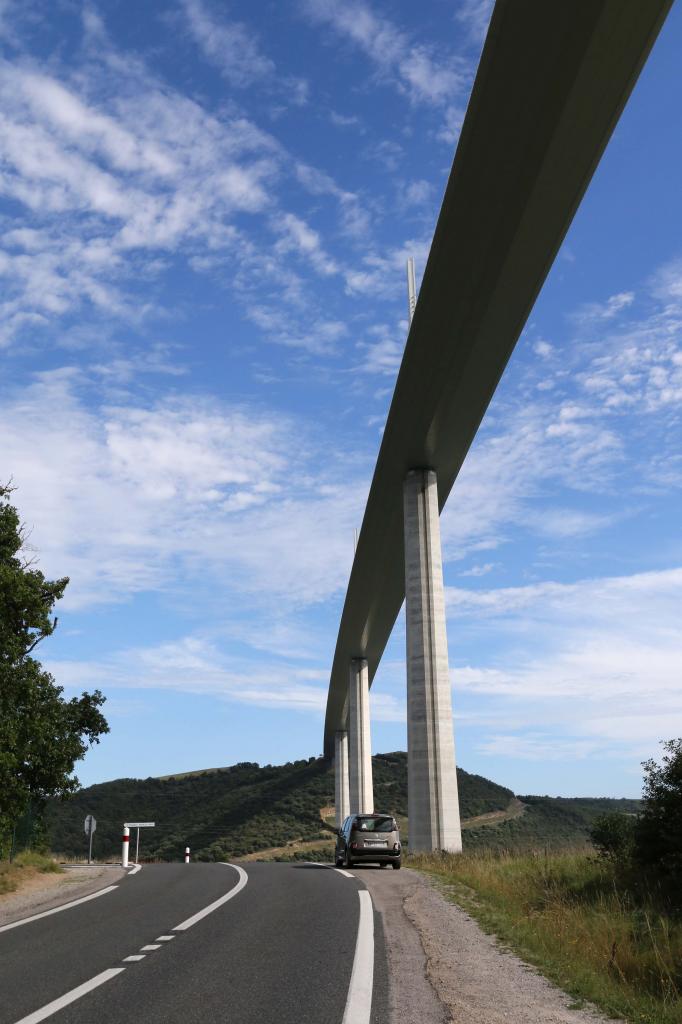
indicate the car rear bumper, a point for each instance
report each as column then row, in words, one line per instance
column 376, row 854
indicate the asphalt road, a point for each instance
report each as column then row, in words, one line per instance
column 292, row 945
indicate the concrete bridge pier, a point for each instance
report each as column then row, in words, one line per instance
column 432, row 798
column 341, row 790
column 359, row 740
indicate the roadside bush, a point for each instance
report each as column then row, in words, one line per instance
column 613, row 835
column 658, row 833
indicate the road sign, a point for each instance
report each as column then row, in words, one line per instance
column 138, row 825
column 90, row 826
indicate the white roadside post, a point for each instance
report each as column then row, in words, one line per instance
column 126, row 844
column 187, row 855
column 138, row 825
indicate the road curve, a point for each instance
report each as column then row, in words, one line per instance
column 281, row 947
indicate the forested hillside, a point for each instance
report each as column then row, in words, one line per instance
column 229, row 812
column 236, row 811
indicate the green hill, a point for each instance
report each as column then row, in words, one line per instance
column 246, row 808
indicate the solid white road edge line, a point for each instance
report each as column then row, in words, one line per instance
column 70, row 997
column 138, row 867
column 58, row 910
column 243, row 879
column 359, row 1002
column 317, row 864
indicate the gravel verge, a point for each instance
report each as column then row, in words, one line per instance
column 444, row 968
column 45, row 891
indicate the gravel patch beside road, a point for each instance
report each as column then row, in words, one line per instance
column 45, row 891
column 443, row 968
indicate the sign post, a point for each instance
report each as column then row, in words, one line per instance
column 90, row 826
column 138, row 825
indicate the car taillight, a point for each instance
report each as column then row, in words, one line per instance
column 354, row 846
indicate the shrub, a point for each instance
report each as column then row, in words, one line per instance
column 613, row 836
column 658, row 833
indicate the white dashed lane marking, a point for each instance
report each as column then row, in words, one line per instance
column 70, row 997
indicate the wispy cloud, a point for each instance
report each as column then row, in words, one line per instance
column 298, row 237
column 230, row 45
column 145, row 497
column 591, row 657
column 474, row 15
column 415, row 69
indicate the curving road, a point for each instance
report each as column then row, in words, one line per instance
column 291, row 943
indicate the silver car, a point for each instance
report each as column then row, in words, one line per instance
column 368, row 838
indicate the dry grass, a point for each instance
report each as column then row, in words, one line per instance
column 296, row 846
column 568, row 914
column 25, row 865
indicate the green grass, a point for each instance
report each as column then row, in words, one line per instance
column 569, row 915
column 24, row 864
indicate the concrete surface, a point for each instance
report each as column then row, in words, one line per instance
column 432, row 799
column 341, row 780
column 361, row 790
column 551, row 84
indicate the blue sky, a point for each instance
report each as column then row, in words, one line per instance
column 205, row 215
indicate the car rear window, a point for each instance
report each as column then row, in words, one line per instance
column 370, row 824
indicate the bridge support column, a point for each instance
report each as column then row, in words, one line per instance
column 432, row 798
column 341, row 792
column 360, row 747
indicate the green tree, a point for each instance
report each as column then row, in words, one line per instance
column 42, row 735
column 658, row 835
column 613, row 835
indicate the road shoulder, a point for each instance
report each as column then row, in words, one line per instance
column 444, row 968
column 45, row 892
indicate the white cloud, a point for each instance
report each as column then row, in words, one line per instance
column 600, row 659
column 319, row 337
column 543, row 349
column 141, row 177
column 129, row 171
column 231, row 46
column 417, row 193
column 355, row 219
column 666, row 282
column 479, row 570
column 384, row 354
column 344, row 120
column 300, row 238
column 137, row 497
column 537, row 747
column 417, row 71
column 475, row 16
column 382, row 274
column 195, row 664
column 600, row 311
